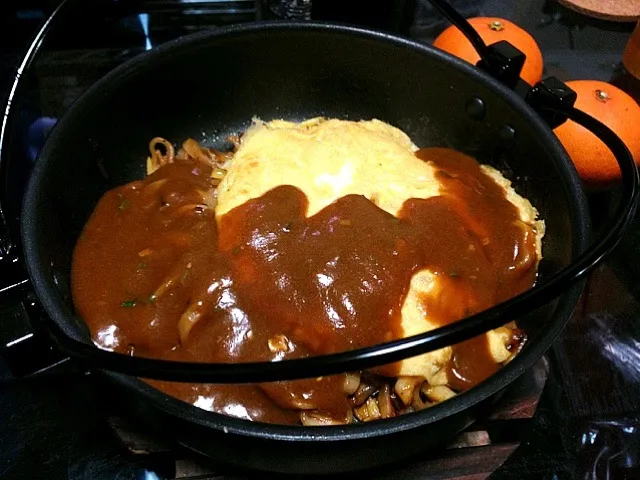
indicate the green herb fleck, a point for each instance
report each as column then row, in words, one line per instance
column 236, row 250
column 454, row 274
column 129, row 303
column 152, row 298
column 141, row 266
column 185, row 275
column 124, row 203
column 287, row 227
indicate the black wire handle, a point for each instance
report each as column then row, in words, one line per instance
column 465, row 27
column 549, row 106
column 385, row 353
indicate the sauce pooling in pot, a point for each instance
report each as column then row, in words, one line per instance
column 155, row 275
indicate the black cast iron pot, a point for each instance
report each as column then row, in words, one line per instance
column 210, row 85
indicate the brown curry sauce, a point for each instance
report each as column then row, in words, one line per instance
column 269, row 283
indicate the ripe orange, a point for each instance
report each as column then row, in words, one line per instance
column 493, row 30
column 596, row 165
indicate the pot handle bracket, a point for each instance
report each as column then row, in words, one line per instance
column 554, row 102
column 504, row 62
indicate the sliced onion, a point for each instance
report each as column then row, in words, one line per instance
column 362, row 394
column 351, row 383
column 157, row 158
column 384, row 402
column 317, row 419
column 218, row 173
column 194, row 150
column 349, row 417
column 189, row 318
column 209, row 156
column 368, row 411
column 362, row 413
column 278, row 343
column 417, row 403
column 170, row 281
column 301, row 404
column 405, row 387
column 437, row 393
column 374, row 409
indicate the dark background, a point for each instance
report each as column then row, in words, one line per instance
column 554, row 27
column 593, row 392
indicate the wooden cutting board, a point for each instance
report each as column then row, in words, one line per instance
column 613, row 10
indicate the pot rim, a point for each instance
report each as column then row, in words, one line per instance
column 58, row 311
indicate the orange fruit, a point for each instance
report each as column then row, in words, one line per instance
column 493, row 30
column 596, row 165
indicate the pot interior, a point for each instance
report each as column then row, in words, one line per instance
column 211, row 85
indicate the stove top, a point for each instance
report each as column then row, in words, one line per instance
column 576, row 414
